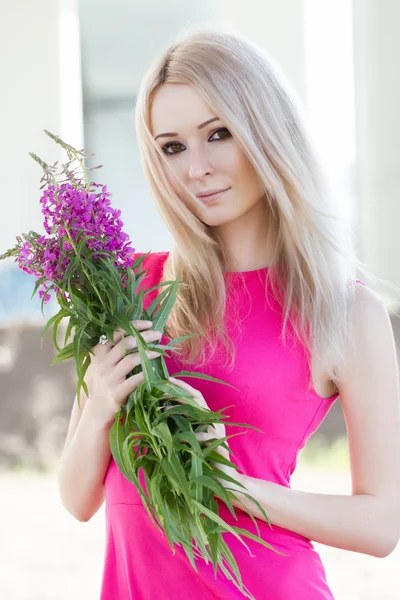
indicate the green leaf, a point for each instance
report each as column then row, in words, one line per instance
column 179, row 339
column 160, row 285
column 215, row 457
column 158, row 299
column 161, row 316
column 116, row 438
column 216, row 487
column 156, row 486
column 138, row 311
column 138, row 261
column 44, row 298
column 196, row 471
column 81, row 382
column 189, row 553
column 127, row 326
column 257, row 539
column 54, row 319
column 182, row 409
column 198, row 533
column 65, row 353
column 82, row 305
column 55, row 330
column 132, row 397
column 215, row 442
column 170, row 388
column 93, row 262
column 220, row 521
column 130, row 289
column 76, row 344
column 146, row 462
column 189, row 436
column 114, row 274
column 202, row 376
column 231, row 561
column 173, row 468
column 68, row 329
column 260, row 508
column 162, row 431
column 82, row 246
column 38, row 284
column 214, row 550
column 150, row 509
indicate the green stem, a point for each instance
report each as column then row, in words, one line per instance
column 83, row 266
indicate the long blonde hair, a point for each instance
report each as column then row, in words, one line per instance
column 313, row 276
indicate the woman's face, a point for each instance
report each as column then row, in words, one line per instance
column 204, row 157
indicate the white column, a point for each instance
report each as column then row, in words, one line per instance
column 377, row 50
column 41, row 89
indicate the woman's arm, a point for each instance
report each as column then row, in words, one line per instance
column 84, row 461
column 368, row 521
column 87, row 453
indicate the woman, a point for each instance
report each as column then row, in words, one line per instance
column 268, row 281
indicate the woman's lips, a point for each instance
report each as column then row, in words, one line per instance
column 213, row 198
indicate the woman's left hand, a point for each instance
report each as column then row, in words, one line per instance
column 217, row 431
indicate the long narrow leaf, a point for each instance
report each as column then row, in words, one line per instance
column 161, row 316
column 38, row 284
column 203, row 376
column 57, row 317
column 162, row 431
column 172, row 467
column 64, row 354
column 221, row 522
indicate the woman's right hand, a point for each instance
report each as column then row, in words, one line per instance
column 106, row 377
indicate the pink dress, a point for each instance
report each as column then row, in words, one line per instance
column 273, row 396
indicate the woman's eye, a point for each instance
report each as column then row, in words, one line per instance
column 171, row 144
column 223, row 129
column 168, row 146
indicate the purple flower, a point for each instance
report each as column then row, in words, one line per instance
column 42, row 293
column 70, row 213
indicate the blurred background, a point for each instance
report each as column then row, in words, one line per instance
column 74, row 68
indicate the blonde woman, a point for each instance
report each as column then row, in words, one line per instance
column 269, row 281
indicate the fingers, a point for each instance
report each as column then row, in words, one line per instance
column 130, row 384
column 139, row 324
column 119, row 335
column 129, row 362
column 130, row 343
column 203, row 436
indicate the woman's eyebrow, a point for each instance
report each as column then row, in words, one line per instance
column 170, row 134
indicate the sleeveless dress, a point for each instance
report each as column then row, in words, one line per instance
column 273, row 396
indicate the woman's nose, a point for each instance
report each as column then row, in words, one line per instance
column 199, row 164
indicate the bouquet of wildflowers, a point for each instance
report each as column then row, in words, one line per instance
column 85, row 259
